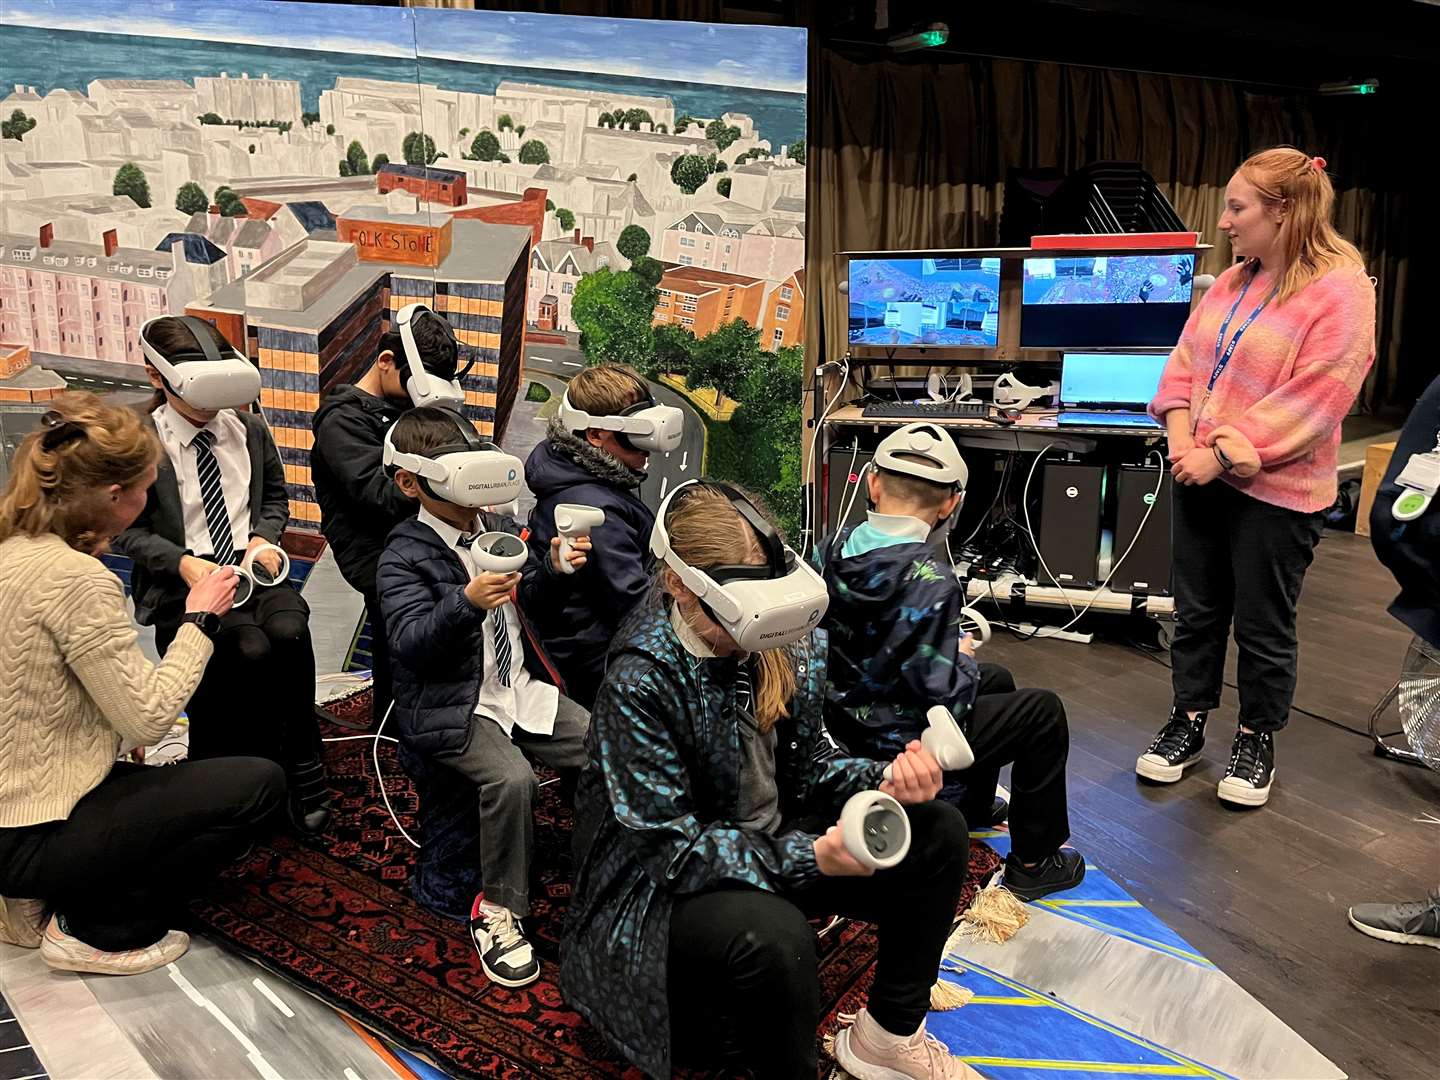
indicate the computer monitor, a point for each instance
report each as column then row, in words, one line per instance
column 1110, row 380
column 939, row 302
column 1105, row 301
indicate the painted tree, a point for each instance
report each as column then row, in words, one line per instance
column 721, row 134
column 329, row 129
column 632, row 178
column 534, row 152
column 722, row 187
column 614, row 311
column 633, row 242
column 504, row 123
column 797, row 152
column 683, row 122
column 633, row 118
column 673, row 346
column 358, row 159
column 346, row 169
column 18, row 124
column 648, row 270
column 690, row 171
column 418, row 148
column 378, row 161
column 229, row 203
column 724, row 359
column 549, row 206
column 486, row 146
column 211, row 118
column 191, row 199
column 566, row 218
column 129, row 180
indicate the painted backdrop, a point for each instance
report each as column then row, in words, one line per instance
column 566, row 190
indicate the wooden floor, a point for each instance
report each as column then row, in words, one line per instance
column 1264, row 893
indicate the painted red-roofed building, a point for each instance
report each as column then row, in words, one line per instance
column 704, row 300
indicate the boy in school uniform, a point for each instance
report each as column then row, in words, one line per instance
column 896, row 649
column 473, row 690
column 218, row 497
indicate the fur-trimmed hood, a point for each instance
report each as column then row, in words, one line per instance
column 590, row 461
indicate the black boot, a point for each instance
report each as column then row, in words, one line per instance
column 1176, row 748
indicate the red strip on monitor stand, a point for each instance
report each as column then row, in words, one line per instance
column 1114, row 241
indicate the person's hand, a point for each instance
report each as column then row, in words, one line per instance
column 1199, row 466
column 269, row 559
column 489, row 590
column 834, row 859
column 967, row 645
column 914, row 777
column 579, row 547
column 215, row 591
column 1178, row 446
column 193, row 570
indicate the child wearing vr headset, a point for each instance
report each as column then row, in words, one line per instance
column 219, row 499
column 595, row 454
column 705, row 829
column 359, row 502
column 473, row 691
column 897, row 649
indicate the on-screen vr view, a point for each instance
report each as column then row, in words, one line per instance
column 953, row 302
column 1105, row 301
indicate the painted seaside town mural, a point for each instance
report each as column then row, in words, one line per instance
column 566, row 190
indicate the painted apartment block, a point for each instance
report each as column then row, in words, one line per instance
column 312, row 318
column 703, row 300
column 772, row 249
column 783, row 324
column 249, row 99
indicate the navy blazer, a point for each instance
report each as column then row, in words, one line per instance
column 156, row 540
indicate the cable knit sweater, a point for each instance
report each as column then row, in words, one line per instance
column 1289, row 383
column 73, row 681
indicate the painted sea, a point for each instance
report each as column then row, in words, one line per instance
column 69, row 59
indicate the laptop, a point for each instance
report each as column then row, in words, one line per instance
column 1109, row 389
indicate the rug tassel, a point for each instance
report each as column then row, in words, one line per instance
column 995, row 916
column 946, row 995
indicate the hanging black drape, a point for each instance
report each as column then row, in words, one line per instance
column 915, row 156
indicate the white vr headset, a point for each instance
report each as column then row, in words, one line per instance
column 646, row 425
column 1008, row 390
column 424, row 387
column 468, row 472
column 765, row 606
column 925, row 451
column 205, row 377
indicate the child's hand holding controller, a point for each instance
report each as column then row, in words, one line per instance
column 576, row 554
column 489, row 591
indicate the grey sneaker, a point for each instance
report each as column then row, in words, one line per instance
column 1413, row 923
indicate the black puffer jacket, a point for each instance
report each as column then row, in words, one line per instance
column 359, row 504
column 437, row 647
column 578, row 629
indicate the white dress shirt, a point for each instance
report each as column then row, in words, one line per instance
column 527, row 703
column 177, row 435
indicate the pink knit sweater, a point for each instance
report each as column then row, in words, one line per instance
column 1288, row 385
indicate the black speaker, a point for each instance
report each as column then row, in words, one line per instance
column 1069, row 538
column 1147, row 567
column 842, row 485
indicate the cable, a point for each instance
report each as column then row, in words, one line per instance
column 1030, row 530
column 807, row 521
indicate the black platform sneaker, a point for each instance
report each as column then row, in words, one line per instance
column 508, row 959
column 1251, row 770
column 1177, row 747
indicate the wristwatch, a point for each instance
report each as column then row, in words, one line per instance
column 1225, row 462
column 207, row 621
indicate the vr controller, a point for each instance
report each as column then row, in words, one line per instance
column 499, row 552
column 572, row 520
column 258, row 576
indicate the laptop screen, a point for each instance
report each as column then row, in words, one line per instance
column 1115, row 379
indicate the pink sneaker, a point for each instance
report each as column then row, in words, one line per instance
column 65, row 953
column 867, row 1052
column 22, row 922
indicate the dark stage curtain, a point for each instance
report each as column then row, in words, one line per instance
column 915, row 155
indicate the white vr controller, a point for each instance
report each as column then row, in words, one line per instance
column 254, row 576
column 974, row 624
column 572, row 520
column 499, row 552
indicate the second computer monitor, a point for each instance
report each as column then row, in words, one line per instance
column 1110, row 380
column 1105, row 301
column 946, row 303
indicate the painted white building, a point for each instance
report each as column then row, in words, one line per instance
column 249, row 99
column 556, row 267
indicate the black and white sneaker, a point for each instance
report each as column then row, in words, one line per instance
column 1176, row 748
column 1251, row 770
column 508, row 959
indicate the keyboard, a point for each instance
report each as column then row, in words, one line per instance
column 927, row 410
column 1106, row 419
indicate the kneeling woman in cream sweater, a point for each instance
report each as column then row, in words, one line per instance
column 111, row 849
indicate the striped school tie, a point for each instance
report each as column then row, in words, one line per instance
column 212, row 498
column 502, row 644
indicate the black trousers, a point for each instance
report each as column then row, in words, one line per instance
column 1242, row 560
column 139, row 845
column 257, row 698
column 382, row 693
column 742, row 967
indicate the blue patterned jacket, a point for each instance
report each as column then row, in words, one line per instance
column 653, row 815
column 894, row 625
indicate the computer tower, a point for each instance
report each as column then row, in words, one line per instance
column 1147, row 567
column 842, row 485
column 1069, row 540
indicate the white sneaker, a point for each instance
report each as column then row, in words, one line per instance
column 508, row 959
column 922, row 1056
column 22, row 922
column 65, row 953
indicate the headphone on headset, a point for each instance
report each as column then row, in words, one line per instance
column 761, row 606
column 468, row 472
column 206, row 376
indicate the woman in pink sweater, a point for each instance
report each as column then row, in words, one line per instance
column 1252, row 399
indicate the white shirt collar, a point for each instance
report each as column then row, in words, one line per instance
column 902, row 525
column 445, row 530
column 694, row 644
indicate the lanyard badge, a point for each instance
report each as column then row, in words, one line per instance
column 1419, row 481
column 1224, row 352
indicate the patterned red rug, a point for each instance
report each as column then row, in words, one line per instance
column 334, row 915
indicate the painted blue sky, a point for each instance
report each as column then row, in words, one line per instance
column 761, row 57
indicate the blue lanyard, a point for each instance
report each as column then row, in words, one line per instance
column 1222, row 359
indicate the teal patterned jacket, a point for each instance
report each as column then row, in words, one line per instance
column 653, row 819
